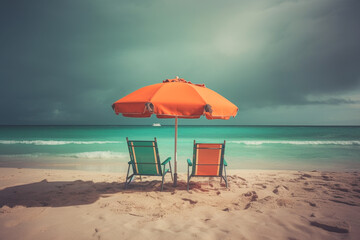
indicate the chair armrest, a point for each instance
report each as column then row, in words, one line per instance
column 189, row 162
column 225, row 163
column 166, row 161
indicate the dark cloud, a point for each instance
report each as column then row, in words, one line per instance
column 334, row 101
column 65, row 62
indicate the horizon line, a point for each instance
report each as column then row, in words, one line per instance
column 171, row 125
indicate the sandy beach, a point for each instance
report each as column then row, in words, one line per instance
column 259, row 204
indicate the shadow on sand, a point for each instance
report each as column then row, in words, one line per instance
column 70, row 193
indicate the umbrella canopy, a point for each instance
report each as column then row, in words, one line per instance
column 175, row 98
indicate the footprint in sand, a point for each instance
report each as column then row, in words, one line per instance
column 201, row 190
column 241, row 178
column 283, row 202
column 305, row 175
column 309, row 189
column 331, row 225
column 326, row 178
column 265, row 199
column 312, row 204
column 280, row 189
column 262, row 185
column 344, row 202
column 96, row 234
column 190, row 201
column 253, row 196
column 247, row 205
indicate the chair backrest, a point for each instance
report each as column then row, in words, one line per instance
column 208, row 159
column 145, row 157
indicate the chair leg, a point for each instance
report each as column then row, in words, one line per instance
column 188, row 179
column 225, row 178
column 127, row 176
column 162, row 182
column 140, row 179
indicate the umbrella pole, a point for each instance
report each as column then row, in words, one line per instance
column 175, row 154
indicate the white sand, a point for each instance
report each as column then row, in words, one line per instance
column 65, row 204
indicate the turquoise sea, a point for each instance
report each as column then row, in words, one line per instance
column 103, row 148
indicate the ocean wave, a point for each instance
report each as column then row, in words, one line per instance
column 261, row 142
column 96, row 155
column 54, row 142
column 80, row 155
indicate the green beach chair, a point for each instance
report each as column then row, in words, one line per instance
column 208, row 161
column 145, row 160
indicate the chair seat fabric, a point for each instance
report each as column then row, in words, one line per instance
column 207, row 160
column 145, row 157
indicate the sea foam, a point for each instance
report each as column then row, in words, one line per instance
column 261, row 142
column 54, row 142
column 96, row 155
column 79, row 155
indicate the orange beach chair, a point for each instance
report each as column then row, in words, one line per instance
column 208, row 161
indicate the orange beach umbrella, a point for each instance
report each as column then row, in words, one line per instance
column 175, row 98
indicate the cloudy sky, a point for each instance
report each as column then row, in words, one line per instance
column 280, row 62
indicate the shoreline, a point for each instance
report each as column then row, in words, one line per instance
column 120, row 166
column 75, row 204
